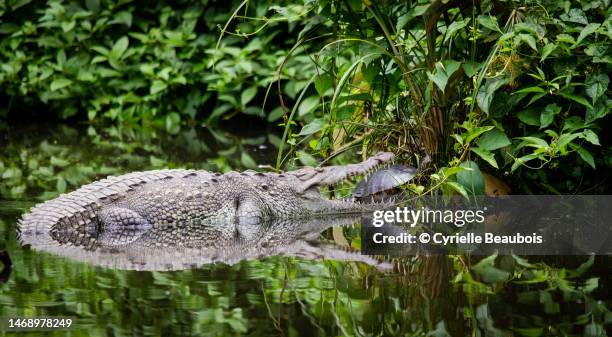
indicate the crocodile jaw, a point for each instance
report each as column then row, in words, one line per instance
column 312, row 179
column 332, row 175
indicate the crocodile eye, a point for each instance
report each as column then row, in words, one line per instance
column 264, row 187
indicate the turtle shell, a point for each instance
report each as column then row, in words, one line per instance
column 384, row 180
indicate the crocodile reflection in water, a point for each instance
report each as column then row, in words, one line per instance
column 188, row 245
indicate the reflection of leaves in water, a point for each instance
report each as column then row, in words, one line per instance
column 64, row 158
column 332, row 298
column 543, row 296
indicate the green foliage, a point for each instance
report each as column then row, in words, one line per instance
column 125, row 62
column 546, row 88
column 516, row 85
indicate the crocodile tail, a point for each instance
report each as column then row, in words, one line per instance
column 71, row 216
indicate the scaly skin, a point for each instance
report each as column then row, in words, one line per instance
column 118, row 211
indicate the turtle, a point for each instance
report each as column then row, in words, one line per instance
column 384, row 183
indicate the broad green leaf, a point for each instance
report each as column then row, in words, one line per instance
column 471, row 68
column 157, row 86
column 451, row 66
column 114, row 62
column 490, row 22
column 308, row 105
column 147, row 69
column 454, row 27
column 123, row 17
column 533, row 276
column 536, row 97
column 576, row 98
column 9, row 28
column 535, row 30
column 586, row 31
column 535, row 142
column 17, row 191
column 471, row 178
column 119, row 47
column 102, row 50
column 529, row 39
column 173, row 123
column 443, row 72
column 12, row 173
column 529, row 117
column 522, row 160
column 323, row 83
column 164, row 74
column 451, row 171
column 585, row 155
column 247, row 161
column 179, row 80
column 548, row 115
column 60, row 185
column 486, row 155
column 306, row 159
column 60, row 83
column 600, row 110
column 572, row 124
column 486, row 92
column 247, row 95
column 584, row 267
column 314, row 126
column 590, row 137
column 548, row 48
column 529, row 89
column 439, row 78
column 58, row 162
column 550, row 306
column 404, row 19
column 219, row 111
column 68, row 25
column 488, row 272
column 596, row 86
column 457, row 188
column 493, row 140
column 473, row 133
column 275, row 114
column 522, row 261
column 575, row 15
column 60, row 58
column 565, row 139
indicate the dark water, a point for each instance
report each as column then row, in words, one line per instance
column 437, row 296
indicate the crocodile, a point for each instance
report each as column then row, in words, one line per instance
column 194, row 209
